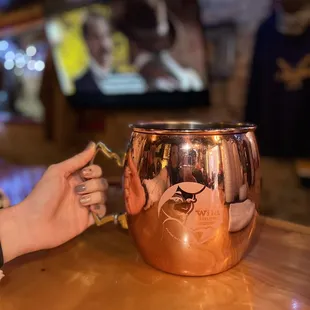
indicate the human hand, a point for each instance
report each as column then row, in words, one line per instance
column 134, row 192
column 58, row 208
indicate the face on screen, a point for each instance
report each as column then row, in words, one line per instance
column 145, row 47
column 98, row 39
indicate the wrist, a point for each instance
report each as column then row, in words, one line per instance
column 15, row 232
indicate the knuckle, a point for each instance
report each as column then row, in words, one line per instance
column 94, row 185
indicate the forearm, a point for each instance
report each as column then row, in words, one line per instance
column 15, row 232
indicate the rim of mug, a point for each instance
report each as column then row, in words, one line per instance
column 184, row 127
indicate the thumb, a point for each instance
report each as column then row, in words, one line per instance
column 80, row 160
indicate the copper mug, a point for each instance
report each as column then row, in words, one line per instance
column 191, row 193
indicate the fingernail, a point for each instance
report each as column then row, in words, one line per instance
column 90, row 145
column 86, row 171
column 85, row 199
column 80, row 188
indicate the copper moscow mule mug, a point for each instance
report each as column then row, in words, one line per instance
column 191, row 193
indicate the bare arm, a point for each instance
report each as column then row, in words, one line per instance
column 15, row 233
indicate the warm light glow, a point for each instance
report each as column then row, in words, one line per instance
column 185, row 239
column 186, row 147
column 164, row 163
column 217, row 138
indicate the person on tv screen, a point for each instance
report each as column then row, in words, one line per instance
column 100, row 75
column 150, row 29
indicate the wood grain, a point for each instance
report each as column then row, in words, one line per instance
column 285, row 225
column 101, row 269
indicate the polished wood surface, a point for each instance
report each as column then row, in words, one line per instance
column 101, row 269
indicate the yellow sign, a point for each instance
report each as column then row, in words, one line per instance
column 293, row 76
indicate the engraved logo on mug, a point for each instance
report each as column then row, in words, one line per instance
column 191, row 206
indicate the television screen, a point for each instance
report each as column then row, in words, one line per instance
column 114, row 52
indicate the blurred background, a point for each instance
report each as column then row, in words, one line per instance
column 73, row 71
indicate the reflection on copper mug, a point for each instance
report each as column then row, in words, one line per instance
column 191, row 192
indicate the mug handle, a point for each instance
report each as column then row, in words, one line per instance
column 117, row 218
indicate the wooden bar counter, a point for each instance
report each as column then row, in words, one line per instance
column 101, row 269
